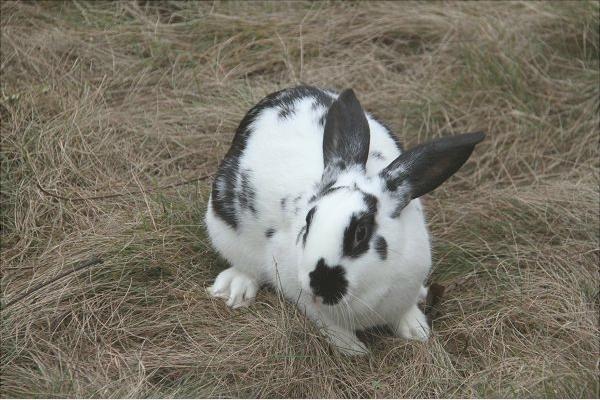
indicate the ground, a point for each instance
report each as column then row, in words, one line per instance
column 105, row 297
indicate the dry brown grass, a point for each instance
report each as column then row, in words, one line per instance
column 104, row 97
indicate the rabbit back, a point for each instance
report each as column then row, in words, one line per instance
column 276, row 158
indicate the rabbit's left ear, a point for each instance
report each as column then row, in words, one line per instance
column 425, row 167
column 346, row 137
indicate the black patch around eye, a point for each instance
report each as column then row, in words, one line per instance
column 352, row 248
column 381, row 247
column 309, row 218
column 328, row 282
column 365, row 220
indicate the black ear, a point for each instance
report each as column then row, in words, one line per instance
column 428, row 165
column 346, row 136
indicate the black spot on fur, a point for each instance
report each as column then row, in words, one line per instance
column 381, row 247
column 270, row 232
column 328, row 282
column 224, row 185
column 309, row 218
column 359, row 231
column 371, row 202
column 226, row 198
column 247, row 195
column 297, row 204
column 376, row 154
column 285, row 111
column 283, row 203
column 398, row 210
column 324, row 191
column 300, row 234
column 223, row 194
column 401, row 197
column 326, row 187
column 331, row 190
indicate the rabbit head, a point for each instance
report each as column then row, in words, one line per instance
column 346, row 241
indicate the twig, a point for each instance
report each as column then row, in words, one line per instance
column 112, row 195
column 84, row 264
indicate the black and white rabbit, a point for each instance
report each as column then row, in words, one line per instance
column 316, row 198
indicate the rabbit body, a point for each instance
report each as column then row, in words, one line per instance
column 292, row 207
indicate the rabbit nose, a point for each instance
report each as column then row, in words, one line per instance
column 328, row 282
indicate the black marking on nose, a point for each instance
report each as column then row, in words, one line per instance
column 381, row 247
column 328, row 282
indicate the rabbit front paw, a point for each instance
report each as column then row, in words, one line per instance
column 235, row 286
column 413, row 325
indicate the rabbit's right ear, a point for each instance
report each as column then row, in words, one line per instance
column 425, row 167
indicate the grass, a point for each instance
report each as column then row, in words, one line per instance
column 110, row 97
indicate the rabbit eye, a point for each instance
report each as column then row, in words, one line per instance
column 360, row 234
column 357, row 235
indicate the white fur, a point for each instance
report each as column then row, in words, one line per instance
column 286, row 159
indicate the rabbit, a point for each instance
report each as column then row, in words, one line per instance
column 317, row 199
